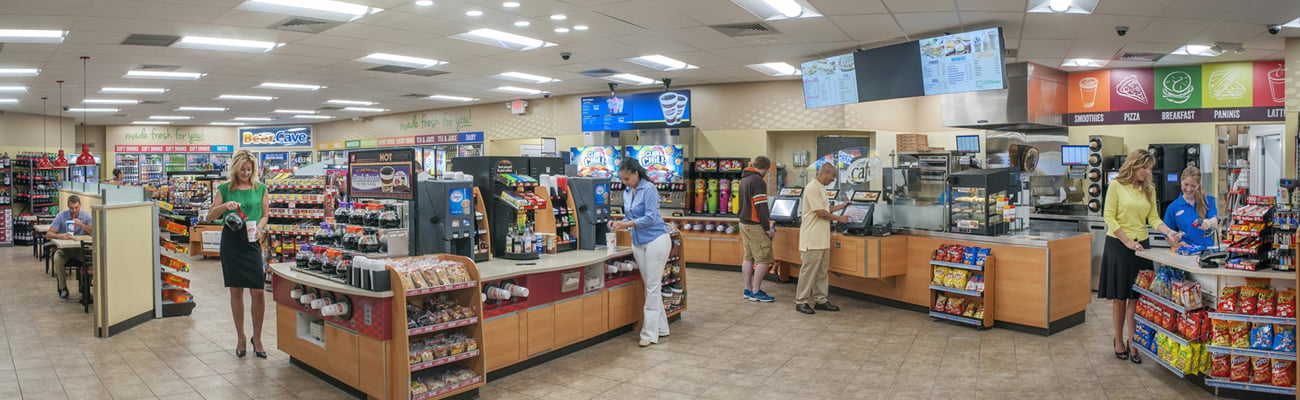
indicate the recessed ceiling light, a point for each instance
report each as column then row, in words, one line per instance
column 253, row 119
column 93, row 109
column 772, row 10
column 424, row 3
column 313, row 116
column 132, row 90
column 561, row 30
column 202, row 109
column 170, row 117
column 519, row 90
column 227, row 123
column 352, row 102
column 580, row 27
column 522, row 77
column 498, row 38
column 13, row 88
column 325, row 9
column 110, row 101
column 522, row 24
column 163, row 75
column 474, row 13
column 289, row 86
column 151, row 123
column 510, row 4
column 660, row 62
column 211, row 43
column 1059, row 6
column 441, row 97
column 559, row 17
column 631, row 79
column 1083, row 63
column 32, row 36
column 364, row 109
column 244, row 97
column 1202, row 50
column 404, row 61
column 1062, row 6
column 20, row 71
column 8, row 101
column 282, row 111
column 775, row 69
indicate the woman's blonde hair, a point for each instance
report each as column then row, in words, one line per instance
column 1138, row 159
column 1195, row 174
column 237, row 162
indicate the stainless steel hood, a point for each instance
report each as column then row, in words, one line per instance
column 1035, row 98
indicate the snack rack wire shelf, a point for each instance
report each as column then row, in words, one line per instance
column 985, row 298
column 173, row 295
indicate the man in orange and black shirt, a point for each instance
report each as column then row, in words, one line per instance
column 755, row 229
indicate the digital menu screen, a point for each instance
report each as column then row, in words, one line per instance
column 963, row 62
column 596, row 161
column 830, row 81
column 1074, row 155
column 663, row 163
column 637, row 111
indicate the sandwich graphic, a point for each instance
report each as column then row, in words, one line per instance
column 1224, row 86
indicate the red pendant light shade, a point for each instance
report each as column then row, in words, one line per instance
column 44, row 163
column 61, row 161
column 85, row 159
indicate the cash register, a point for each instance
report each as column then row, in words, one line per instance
column 785, row 207
column 861, row 211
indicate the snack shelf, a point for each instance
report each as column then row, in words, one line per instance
column 956, row 318
column 1254, row 387
column 1242, row 250
column 448, row 389
column 1253, row 318
column 445, row 360
column 1244, row 233
column 443, row 288
column 441, row 327
column 1157, row 328
column 1251, row 352
column 957, row 291
column 1166, row 302
column 1162, row 362
column 957, row 265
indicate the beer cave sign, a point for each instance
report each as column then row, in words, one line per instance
column 278, row 136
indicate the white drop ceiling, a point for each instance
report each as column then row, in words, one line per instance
column 618, row 30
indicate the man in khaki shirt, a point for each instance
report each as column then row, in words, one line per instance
column 815, row 243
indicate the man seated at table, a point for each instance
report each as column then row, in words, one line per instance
column 79, row 222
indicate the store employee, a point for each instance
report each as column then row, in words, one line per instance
column 1194, row 212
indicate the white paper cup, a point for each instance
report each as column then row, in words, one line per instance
column 498, row 294
column 318, row 303
column 517, row 291
column 296, row 293
column 334, row 309
column 611, row 269
column 611, row 241
column 251, row 228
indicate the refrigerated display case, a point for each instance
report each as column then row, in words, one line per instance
column 152, row 169
column 83, row 173
column 979, row 196
column 436, row 160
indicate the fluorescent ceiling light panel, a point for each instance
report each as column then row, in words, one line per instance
column 559, row 17
column 519, row 90
column 424, row 3
column 202, row 109
column 1059, row 6
column 1062, row 6
column 32, row 36
column 522, row 24
column 561, row 30
column 110, row 101
column 773, row 10
column 132, row 90
column 1084, row 63
column 351, row 102
column 510, row 4
column 522, row 77
column 170, row 117
column 511, row 41
column 631, row 79
column 474, row 13
column 163, row 75
column 211, row 43
column 93, row 109
column 441, row 97
column 581, row 27
column 313, row 116
column 1203, row 50
column 244, row 97
column 324, row 9
column 227, row 123
column 405, row 61
column 253, row 119
column 775, row 69
column 282, row 111
column 8, row 101
column 288, row 86
column 20, row 71
column 13, row 88
column 660, row 62
column 364, row 109
column 1295, row 23
column 151, row 123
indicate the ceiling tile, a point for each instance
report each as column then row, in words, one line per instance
column 868, row 28
column 749, row 55
column 1265, row 12
column 991, row 5
column 923, row 25
column 898, row 6
column 1209, row 10
column 1168, row 30
column 646, row 14
column 1075, row 26
column 1098, row 49
column 704, row 38
column 809, row 29
column 1039, row 48
column 1146, row 8
column 840, row 7
column 714, row 12
column 1011, row 23
column 1230, row 32
column 154, row 10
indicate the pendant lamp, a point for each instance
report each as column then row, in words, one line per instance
column 62, row 160
column 44, row 162
column 85, row 159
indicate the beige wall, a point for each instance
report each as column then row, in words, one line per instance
column 30, row 132
column 166, row 136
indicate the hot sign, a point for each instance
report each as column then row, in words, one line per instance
column 279, row 136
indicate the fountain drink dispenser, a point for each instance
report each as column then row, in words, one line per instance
column 713, row 196
column 700, row 186
column 445, row 218
column 591, row 200
column 735, row 196
column 724, row 195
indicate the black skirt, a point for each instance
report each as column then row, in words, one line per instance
column 241, row 261
column 1119, row 270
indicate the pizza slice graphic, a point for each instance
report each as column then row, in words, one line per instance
column 1130, row 88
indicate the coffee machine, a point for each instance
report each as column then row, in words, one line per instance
column 1171, row 159
column 591, row 199
column 444, row 218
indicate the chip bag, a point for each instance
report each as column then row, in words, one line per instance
column 1219, row 333
column 940, row 275
column 969, row 311
column 1219, row 365
column 1239, row 369
column 1283, row 373
column 1228, row 300
column 1284, row 338
column 979, row 312
column 1285, row 304
column 1247, row 300
column 1264, row 304
column 1239, row 332
column 1261, row 370
column 1261, row 336
column 960, row 277
column 941, row 303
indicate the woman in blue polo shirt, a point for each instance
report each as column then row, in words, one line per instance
column 1194, row 213
column 650, row 243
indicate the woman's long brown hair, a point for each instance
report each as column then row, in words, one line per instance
column 1138, row 159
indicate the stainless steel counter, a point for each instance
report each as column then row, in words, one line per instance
column 1031, row 238
column 1077, row 218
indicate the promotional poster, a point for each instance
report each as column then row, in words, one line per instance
column 596, row 161
column 663, row 163
column 382, row 174
column 637, row 111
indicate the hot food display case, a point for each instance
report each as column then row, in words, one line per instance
column 979, row 198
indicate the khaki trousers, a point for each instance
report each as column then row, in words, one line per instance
column 813, row 282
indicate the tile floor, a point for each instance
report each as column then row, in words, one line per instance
column 723, row 348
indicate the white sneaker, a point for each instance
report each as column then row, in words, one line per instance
column 645, row 342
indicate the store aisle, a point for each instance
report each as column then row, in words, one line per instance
column 724, row 348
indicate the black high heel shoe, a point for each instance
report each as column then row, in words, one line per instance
column 1124, row 355
column 240, row 353
column 259, row 354
column 1135, row 358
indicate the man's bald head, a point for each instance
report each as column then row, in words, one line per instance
column 826, row 173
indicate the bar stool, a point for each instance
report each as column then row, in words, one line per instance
column 38, row 239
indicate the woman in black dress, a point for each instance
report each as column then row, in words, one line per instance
column 241, row 251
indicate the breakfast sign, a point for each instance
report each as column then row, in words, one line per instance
column 1224, row 92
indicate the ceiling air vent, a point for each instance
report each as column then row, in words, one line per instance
column 425, row 72
column 745, row 29
column 150, row 40
column 158, row 67
column 600, row 73
column 390, row 68
column 121, row 115
column 415, row 95
column 305, row 25
column 329, row 108
column 153, row 102
column 1137, row 56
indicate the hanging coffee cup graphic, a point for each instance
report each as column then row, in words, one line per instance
column 386, row 179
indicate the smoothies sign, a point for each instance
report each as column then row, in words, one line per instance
column 1224, row 92
column 382, row 174
column 279, row 136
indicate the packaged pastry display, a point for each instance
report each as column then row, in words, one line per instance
column 436, row 310
column 439, row 347
column 433, row 381
column 429, row 271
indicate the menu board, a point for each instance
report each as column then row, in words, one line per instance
column 963, row 62
column 830, row 81
column 637, row 111
column 664, row 164
column 597, row 161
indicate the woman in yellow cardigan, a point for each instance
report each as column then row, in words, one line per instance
column 1130, row 209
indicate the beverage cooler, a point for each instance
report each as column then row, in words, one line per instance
column 436, row 160
column 83, row 173
column 129, row 164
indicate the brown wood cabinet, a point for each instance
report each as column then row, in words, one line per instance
column 696, row 249
column 624, row 301
column 847, row 256
column 501, row 341
column 568, row 321
column 541, row 329
column 786, row 247
column 725, row 251
column 341, row 359
column 370, row 359
column 593, row 314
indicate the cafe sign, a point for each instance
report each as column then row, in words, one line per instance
column 277, row 136
column 1223, row 92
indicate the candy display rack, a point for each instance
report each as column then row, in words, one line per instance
column 1248, row 239
column 173, row 295
column 981, row 296
column 482, row 235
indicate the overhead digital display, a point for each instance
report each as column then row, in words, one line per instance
column 963, row 62
column 830, row 81
column 637, row 111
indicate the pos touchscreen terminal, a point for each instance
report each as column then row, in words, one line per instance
column 785, row 207
column 861, row 212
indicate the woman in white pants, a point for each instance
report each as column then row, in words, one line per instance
column 650, row 244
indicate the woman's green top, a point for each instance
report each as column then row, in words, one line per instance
column 249, row 200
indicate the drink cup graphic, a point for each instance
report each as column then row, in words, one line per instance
column 681, row 109
column 1277, row 84
column 386, row 179
column 1088, row 91
column 615, row 105
column 668, row 104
